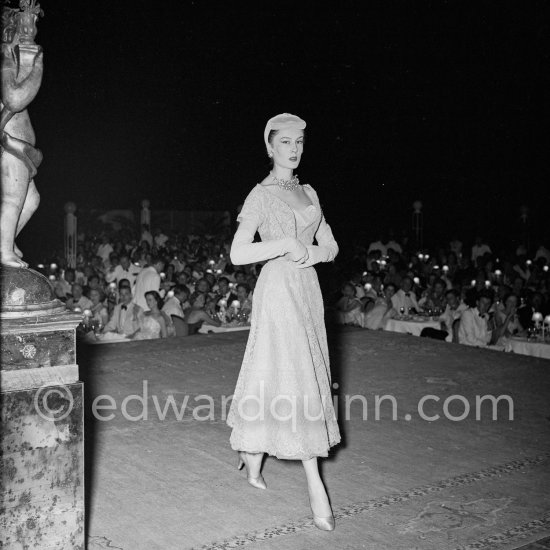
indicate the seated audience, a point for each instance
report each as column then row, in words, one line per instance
column 448, row 319
column 125, row 317
column 98, row 309
column 476, row 327
column 202, row 311
column 224, row 292
column 63, row 285
column 176, row 301
column 435, row 299
column 349, row 307
column 404, row 300
column 78, row 302
column 509, row 311
column 244, row 298
column 153, row 323
column 375, row 318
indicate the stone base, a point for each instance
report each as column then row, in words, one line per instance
column 42, row 474
column 42, row 434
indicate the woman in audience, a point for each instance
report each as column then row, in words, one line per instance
column 152, row 323
column 376, row 317
column 509, row 311
column 348, row 307
column 202, row 311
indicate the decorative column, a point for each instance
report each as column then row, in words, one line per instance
column 417, row 224
column 145, row 218
column 41, row 414
column 70, row 234
column 524, row 226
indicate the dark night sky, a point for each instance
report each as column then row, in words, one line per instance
column 442, row 101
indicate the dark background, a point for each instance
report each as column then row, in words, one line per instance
column 439, row 101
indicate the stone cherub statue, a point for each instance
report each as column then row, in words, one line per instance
column 22, row 66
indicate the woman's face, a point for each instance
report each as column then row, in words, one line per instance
column 151, row 302
column 287, row 147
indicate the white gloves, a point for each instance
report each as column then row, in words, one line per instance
column 244, row 251
column 325, row 250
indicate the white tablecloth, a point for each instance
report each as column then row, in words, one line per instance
column 106, row 338
column 205, row 329
column 524, row 347
column 411, row 326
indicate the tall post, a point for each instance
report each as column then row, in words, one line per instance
column 70, row 234
column 417, row 224
column 145, row 217
column 524, row 226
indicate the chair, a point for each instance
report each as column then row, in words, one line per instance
column 181, row 326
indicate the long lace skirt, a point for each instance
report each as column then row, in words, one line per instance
column 282, row 403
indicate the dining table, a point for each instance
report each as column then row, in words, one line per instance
column 205, row 329
column 412, row 324
column 526, row 346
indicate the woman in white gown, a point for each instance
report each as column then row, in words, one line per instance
column 153, row 323
column 282, row 403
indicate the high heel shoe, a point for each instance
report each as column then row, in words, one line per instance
column 324, row 523
column 257, row 482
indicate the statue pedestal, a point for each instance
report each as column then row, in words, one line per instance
column 42, row 428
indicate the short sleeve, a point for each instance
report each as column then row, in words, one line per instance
column 252, row 208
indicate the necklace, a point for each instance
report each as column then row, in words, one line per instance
column 289, row 185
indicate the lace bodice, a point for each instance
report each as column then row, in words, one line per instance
column 150, row 328
column 277, row 219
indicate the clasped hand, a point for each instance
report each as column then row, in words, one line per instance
column 297, row 252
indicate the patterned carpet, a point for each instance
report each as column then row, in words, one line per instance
column 396, row 483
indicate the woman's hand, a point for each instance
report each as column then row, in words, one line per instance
column 297, row 252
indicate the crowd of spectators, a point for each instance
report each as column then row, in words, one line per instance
column 156, row 285
column 477, row 295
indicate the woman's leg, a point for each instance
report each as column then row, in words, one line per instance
column 320, row 504
column 254, row 461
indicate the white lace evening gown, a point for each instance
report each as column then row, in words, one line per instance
column 149, row 328
column 282, row 403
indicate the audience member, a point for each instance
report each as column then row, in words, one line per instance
column 125, row 317
column 404, row 300
column 148, row 279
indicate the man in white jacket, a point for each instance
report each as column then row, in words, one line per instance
column 148, row 279
column 125, row 316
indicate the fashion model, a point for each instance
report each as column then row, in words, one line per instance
column 282, row 403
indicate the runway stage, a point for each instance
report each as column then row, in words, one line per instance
column 466, row 484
